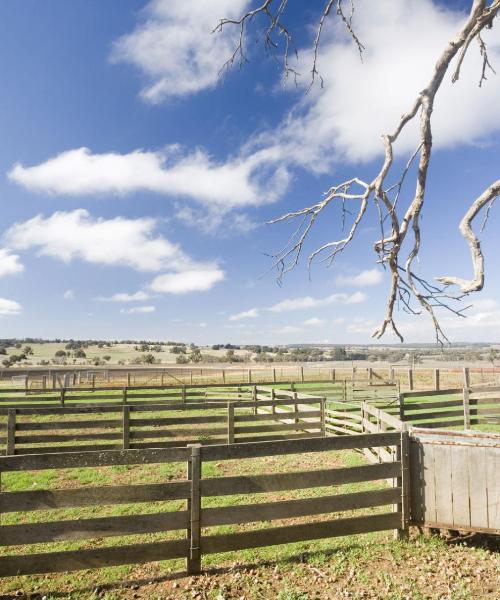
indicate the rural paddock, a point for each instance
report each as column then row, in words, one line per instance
column 402, row 475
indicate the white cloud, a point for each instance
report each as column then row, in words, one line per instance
column 361, row 100
column 314, row 322
column 195, row 280
column 125, row 297
column 246, row 314
column 174, row 48
column 310, row 302
column 9, row 307
column 77, row 235
column 9, row 263
column 219, row 186
column 69, row 295
column 364, row 279
column 138, row 310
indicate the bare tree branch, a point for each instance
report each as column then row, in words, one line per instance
column 398, row 249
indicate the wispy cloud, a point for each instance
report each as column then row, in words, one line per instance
column 310, row 302
column 246, row 314
column 125, row 297
column 314, row 322
column 195, row 280
column 138, row 310
column 69, row 295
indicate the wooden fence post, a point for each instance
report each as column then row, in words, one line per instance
column 370, row 376
column 63, row 394
column 273, row 397
column 466, row 377
column 11, row 432
column 436, row 380
column 128, row 379
column 332, row 375
column 401, row 405
column 183, row 394
column 322, row 416
column 296, row 408
column 193, row 560
column 466, row 408
column 249, row 375
column 124, row 395
column 410, row 380
column 403, row 455
column 301, row 373
column 230, row 423
column 224, row 376
column 126, row 426
column 254, row 399
column 274, row 375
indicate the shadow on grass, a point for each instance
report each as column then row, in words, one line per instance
column 98, row 590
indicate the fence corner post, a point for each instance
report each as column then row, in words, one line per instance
column 63, row 394
column 193, row 559
column 230, row 423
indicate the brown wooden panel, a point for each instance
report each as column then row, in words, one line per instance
column 79, row 529
column 24, row 450
column 56, row 562
column 70, row 437
column 479, row 486
column 252, row 484
column 92, row 496
column 70, row 460
column 175, row 432
column 177, row 420
column 296, row 533
column 268, row 511
column 50, row 425
column 299, row 446
column 272, row 416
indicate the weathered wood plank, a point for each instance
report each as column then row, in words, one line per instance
column 298, row 446
column 268, row 511
column 254, row 484
column 478, row 487
column 442, row 477
column 57, row 562
column 92, row 496
column 70, row 460
column 492, row 458
column 295, row 533
column 460, row 486
column 79, row 529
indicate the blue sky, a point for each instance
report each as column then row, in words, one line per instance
column 136, row 183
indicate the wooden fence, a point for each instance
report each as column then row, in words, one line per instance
column 406, row 377
column 105, row 427
column 194, row 518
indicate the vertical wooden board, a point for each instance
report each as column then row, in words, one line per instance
column 442, row 479
column 493, row 483
column 429, row 487
column 417, row 482
column 460, row 486
column 477, row 487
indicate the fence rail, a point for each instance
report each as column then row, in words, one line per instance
column 194, row 517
